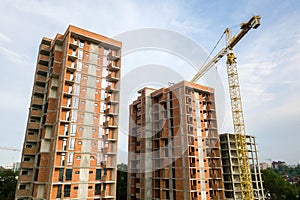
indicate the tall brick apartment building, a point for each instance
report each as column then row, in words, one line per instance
column 70, row 147
column 174, row 147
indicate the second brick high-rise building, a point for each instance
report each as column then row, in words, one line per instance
column 70, row 147
column 174, row 146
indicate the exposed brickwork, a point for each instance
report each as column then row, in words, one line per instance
column 183, row 161
column 70, row 147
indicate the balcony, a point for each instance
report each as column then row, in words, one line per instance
column 36, row 113
column 31, row 138
column 110, row 112
column 29, row 164
column 72, row 57
column 43, row 59
column 23, row 193
column 73, row 45
column 39, row 79
column 29, row 151
column 109, row 100
column 38, row 90
column 42, row 70
column 112, row 67
column 37, row 101
column 110, row 125
column 109, row 137
column 112, row 78
column 113, row 56
column 109, row 150
column 70, row 81
column 194, row 187
column 45, row 49
column 110, row 89
column 66, row 108
column 33, row 125
column 25, row 178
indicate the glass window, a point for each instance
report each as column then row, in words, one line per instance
column 70, row 90
column 76, row 89
column 99, row 158
column 81, row 44
column 70, row 158
column 67, row 190
column 68, row 174
column 74, row 115
column 73, row 130
column 67, row 115
column 72, row 144
column 100, row 132
column 78, row 78
column 99, row 144
column 61, row 174
column 80, row 54
column 62, row 161
column 103, row 96
column 103, row 107
column 97, row 188
column 79, row 66
column 98, row 174
column 75, row 102
column 58, row 194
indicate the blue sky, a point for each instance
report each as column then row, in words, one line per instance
column 268, row 57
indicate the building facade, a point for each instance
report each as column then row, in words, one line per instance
column 173, row 145
column 231, row 171
column 70, row 146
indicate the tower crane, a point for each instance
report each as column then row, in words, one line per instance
column 236, row 102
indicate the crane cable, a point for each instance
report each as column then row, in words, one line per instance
column 205, row 61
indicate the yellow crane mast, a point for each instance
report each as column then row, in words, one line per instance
column 236, row 102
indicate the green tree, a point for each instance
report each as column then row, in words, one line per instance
column 277, row 187
column 8, row 184
column 122, row 182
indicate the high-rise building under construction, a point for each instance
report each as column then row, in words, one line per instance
column 70, row 146
column 231, row 167
column 173, row 145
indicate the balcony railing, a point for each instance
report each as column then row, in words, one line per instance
column 31, row 138
column 43, row 59
column 112, row 67
column 33, row 125
column 113, row 56
column 109, row 124
column 110, row 89
column 25, row 178
column 40, row 78
column 30, row 151
column 110, row 111
column 23, row 193
column 112, row 78
column 37, row 113
column 38, row 90
column 27, row 164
